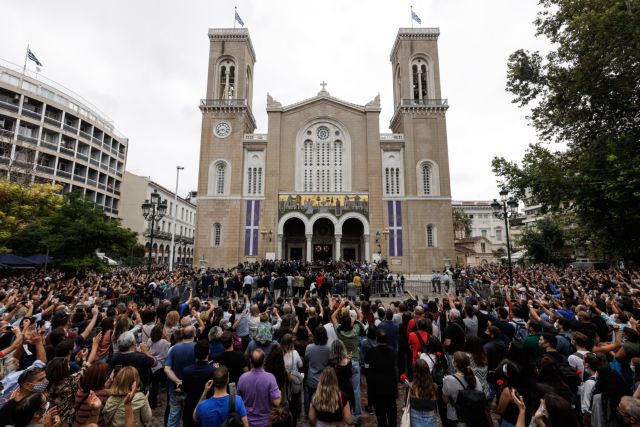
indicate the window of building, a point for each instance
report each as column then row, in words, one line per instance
column 431, row 236
column 322, row 160
column 419, row 79
column 217, row 231
column 392, row 173
column 220, row 177
column 499, row 235
column 483, row 233
column 483, row 247
column 426, row 179
column 254, row 180
column 392, row 181
column 227, row 79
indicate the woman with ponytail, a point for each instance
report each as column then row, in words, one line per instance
column 462, row 379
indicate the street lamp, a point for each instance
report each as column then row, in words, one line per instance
column 153, row 209
column 504, row 209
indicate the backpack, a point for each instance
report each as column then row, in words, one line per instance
column 233, row 418
column 439, row 370
column 521, row 331
column 470, row 405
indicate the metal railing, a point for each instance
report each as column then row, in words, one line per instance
column 35, row 114
column 52, row 121
column 223, row 103
column 9, row 105
column 29, row 139
column 425, row 103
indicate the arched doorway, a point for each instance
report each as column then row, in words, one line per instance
column 352, row 241
column 322, row 242
column 294, row 239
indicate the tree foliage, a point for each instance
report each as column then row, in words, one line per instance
column 461, row 223
column 74, row 232
column 22, row 207
column 545, row 241
column 585, row 95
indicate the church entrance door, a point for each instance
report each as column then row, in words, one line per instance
column 323, row 234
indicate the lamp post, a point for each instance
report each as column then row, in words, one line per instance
column 175, row 214
column 379, row 246
column 153, row 209
column 504, row 209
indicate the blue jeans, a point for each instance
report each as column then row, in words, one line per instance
column 176, row 405
column 424, row 418
column 355, row 383
column 308, row 394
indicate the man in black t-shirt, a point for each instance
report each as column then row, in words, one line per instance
column 233, row 360
column 454, row 333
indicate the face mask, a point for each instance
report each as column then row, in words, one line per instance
column 41, row 387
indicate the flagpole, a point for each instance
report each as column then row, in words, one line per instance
column 411, row 16
column 234, row 17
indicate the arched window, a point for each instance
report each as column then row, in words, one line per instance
column 254, row 167
column 221, row 169
column 219, row 178
column 323, row 158
column 217, row 234
column 420, row 79
column 431, row 236
column 392, row 177
column 227, row 79
column 426, row 179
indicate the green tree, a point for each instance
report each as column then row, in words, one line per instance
column 545, row 241
column 461, row 223
column 75, row 231
column 584, row 94
column 24, row 206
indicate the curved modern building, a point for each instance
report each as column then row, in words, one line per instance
column 50, row 134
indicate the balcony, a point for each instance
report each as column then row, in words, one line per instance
column 70, row 128
column 102, row 186
column 8, row 105
column 217, row 103
column 82, row 156
column 34, row 114
column 157, row 234
column 45, row 169
column 52, row 121
column 79, row 178
column 22, row 164
column 64, row 174
column 66, row 151
column 92, row 182
column 49, row 145
column 85, row 135
column 29, row 139
column 96, row 141
column 6, row 133
column 121, row 154
column 104, row 167
column 94, row 162
column 432, row 103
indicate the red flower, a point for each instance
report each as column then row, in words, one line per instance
column 403, row 377
column 500, row 383
column 438, row 354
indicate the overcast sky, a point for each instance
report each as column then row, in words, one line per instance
column 144, row 63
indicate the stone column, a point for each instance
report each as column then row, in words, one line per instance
column 279, row 247
column 308, row 255
column 367, row 252
column 338, row 238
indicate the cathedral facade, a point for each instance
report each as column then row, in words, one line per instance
column 324, row 183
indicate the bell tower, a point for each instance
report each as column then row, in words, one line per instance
column 419, row 114
column 226, row 118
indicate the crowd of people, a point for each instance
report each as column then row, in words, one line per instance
column 281, row 343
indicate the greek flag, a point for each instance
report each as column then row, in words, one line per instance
column 238, row 19
column 32, row 57
column 416, row 17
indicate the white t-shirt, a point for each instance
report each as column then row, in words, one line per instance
column 292, row 361
column 576, row 362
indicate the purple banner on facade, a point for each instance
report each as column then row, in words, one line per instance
column 251, row 228
column 394, row 211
